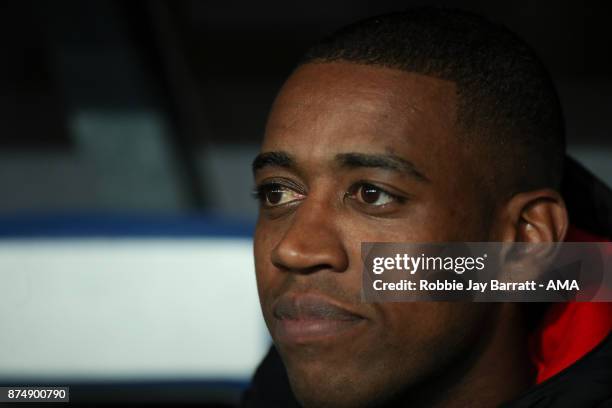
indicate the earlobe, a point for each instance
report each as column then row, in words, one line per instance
column 536, row 217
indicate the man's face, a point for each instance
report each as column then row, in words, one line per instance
column 355, row 153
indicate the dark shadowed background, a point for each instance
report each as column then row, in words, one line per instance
column 160, row 105
column 119, row 114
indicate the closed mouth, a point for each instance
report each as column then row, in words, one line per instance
column 303, row 318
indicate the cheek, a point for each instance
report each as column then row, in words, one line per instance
column 422, row 222
column 270, row 281
column 436, row 331
column 262, row 248
column 267, row 280
column 419, row 340
column 432, row 318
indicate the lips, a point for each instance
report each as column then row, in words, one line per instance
column 310, row 318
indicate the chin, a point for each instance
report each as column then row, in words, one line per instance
column 325, row 392
column 316, row 385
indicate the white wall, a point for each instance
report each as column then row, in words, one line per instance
column 118, row 309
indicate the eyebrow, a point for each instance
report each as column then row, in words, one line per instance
column 382, row 161
column 349, row 160
column 274, row 159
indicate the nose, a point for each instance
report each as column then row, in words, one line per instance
column 312, row 241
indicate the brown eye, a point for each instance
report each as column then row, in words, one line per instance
column 371, row 195
column 275, row 194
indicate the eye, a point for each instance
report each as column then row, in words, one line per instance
column 371, row 195
column 276, row 194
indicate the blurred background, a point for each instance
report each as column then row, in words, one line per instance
column 128, row 129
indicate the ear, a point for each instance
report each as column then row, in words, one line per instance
column 533, row 217
column 537, row 216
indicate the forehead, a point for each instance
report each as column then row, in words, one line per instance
column 329, row 108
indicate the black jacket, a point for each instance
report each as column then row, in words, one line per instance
column 586, row 383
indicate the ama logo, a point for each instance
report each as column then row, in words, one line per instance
column 562, row 285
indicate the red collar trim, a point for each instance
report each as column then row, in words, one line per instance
column 569, row 330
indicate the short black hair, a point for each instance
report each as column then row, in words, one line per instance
column 504, row 91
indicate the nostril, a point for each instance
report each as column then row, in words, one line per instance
column 318, row 254
column 292, row 258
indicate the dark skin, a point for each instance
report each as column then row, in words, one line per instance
column 357, row 153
